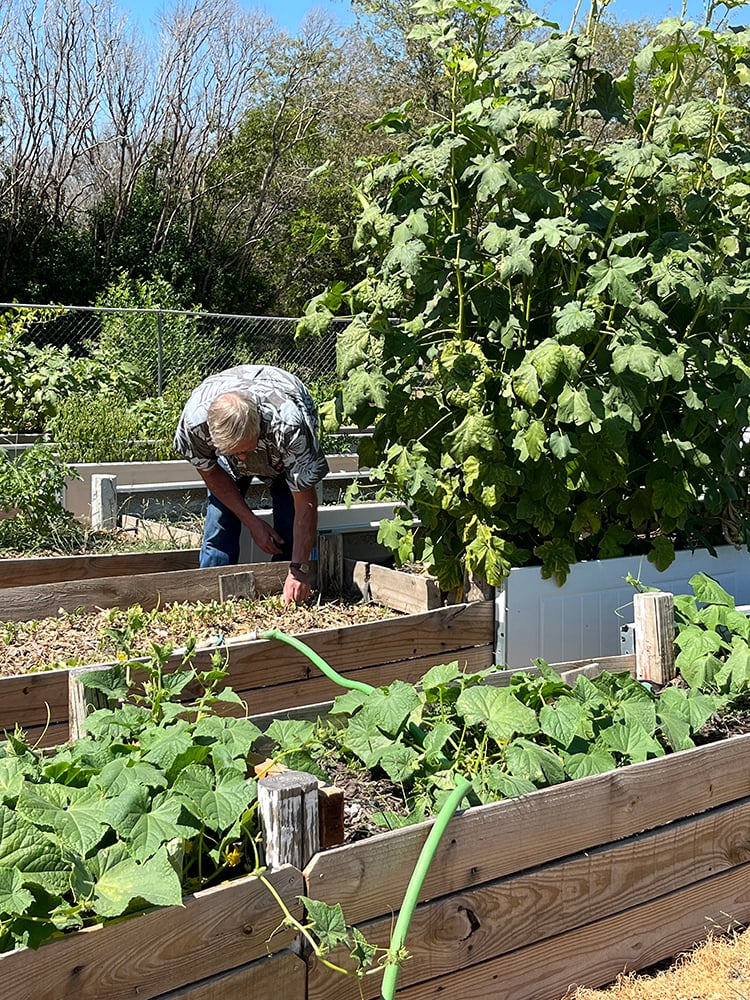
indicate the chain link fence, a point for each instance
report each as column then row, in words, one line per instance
column 168, row 346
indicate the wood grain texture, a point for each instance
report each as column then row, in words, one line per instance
column 149, row 590
column 33, row 701
column 408, row 592
column 148, row 955
column 31, row 571
column 490, row 842
column 594, row 954
column 464, row 929
column 282, row 977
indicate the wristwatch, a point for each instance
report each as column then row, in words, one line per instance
column 302, row 567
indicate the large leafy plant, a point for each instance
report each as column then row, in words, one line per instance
column 551, row 339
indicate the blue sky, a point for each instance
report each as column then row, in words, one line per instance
column 290, row 13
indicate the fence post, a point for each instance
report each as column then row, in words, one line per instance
column 159, row 352
column 654, row 637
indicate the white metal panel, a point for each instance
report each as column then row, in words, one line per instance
column 582, row 618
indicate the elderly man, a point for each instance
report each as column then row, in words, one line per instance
column 255, row 420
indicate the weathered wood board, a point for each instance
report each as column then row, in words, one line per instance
column 282, row 976
column 151, row 954
column 149, row 590
column 30, row 571
column 462, row 930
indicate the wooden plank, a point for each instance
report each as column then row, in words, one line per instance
column 289, row 816
column 31, row 699
column 408, row 592
column 149, row 590
column 594, row 954
column 654, row 637
column 28, row 572
column 368, row 878
column 461, row 930
column 268, row 661
column 161, row 531
column 317, row 688
column 149, row 954
column 283, row 976
column 237, row 585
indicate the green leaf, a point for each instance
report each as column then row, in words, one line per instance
column 709, row 591
column 573, row 319
column 498, row 710
column 594, row 761
column 629, row 738
column 154, row 882
column 14, row 898
column 218, row 800
column 573, row 406
column 534, row 763
column 389, row 708
column 475, row 433
column 564, row 720
column 73, row 815
column 441, row 675
column 328, row 923
column 35, row 855
column 144, row 824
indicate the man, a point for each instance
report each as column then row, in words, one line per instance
column 255, row 420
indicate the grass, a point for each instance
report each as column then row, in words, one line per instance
column 718, row 969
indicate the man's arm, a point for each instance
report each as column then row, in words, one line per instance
column 296, row 585
column 225, row 489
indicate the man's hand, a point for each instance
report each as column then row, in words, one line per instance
column 297, row 590
column 265, row 537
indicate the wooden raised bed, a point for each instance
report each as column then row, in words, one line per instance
column 524, row 898
column 215, row 946
column 267, row 674
column 569, row 885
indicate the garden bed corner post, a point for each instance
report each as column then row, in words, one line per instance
column 654, row 637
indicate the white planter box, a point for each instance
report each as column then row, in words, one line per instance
column 582, row 619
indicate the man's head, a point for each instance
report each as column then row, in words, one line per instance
column 233, row 424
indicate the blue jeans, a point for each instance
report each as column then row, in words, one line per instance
column 221, row 532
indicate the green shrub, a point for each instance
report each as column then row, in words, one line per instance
column 107, row 428
column 34, row 380
column 31, row 490
column 129, row 336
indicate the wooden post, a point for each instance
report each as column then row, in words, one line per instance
column 81, row 700
column 288, row 806
column 237, row 585
column 331, row 564
column 104, row 501
column 654, row 637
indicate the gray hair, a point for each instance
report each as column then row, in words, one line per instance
column 231, row 419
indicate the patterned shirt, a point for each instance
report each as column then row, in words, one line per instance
column 288, row 442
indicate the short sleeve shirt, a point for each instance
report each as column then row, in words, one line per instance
column 288, row 441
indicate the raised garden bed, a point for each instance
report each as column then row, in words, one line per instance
column 218, row 944
column 269, row 676
column 524, row 899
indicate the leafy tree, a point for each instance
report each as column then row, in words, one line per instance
column 551, row 338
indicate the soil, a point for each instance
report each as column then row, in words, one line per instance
column 78, row 638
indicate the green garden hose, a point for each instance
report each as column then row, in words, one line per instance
column 320, row 663
column 414, row 888
column 426, row 855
